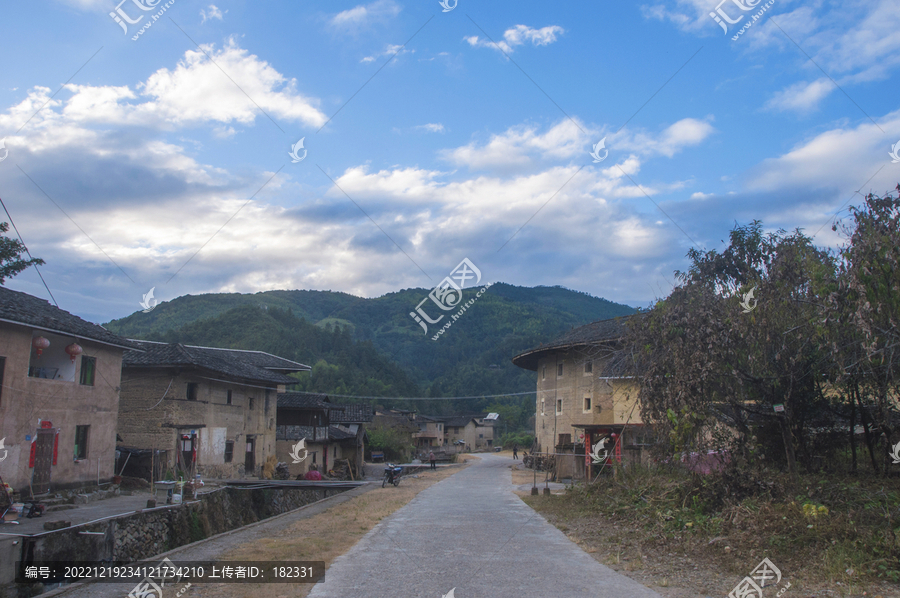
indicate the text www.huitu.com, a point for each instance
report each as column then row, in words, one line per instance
column 753, row 19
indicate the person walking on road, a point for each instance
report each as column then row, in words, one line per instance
column 431, row 459
column 515, row 452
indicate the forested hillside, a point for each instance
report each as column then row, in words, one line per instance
column 373, row 347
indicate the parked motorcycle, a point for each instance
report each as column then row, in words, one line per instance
column 391, row 475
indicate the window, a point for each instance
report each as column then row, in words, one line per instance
column 229, row 448
column 192, row 391
column 559, row 370
column 588, row 367
column 481, row 435
column 544, row 373
column 314, row 457
column 267, row 402
column 228, row 399
column 587, row 404
column 564, row 439
column 334, row 452
column 81, row 440
column 542, row 406
column 250, row 402
column 88, row 369
column 559, row 405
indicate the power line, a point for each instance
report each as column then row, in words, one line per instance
column 28, row 252
column 509, row 394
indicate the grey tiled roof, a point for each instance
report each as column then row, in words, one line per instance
column 27, row 310
column 338, row 434
column 298, row 432
column 353, row 414
column 460, row 421
column 230, row 362
column 601, row 331
column 261, row 359
column 299, row 400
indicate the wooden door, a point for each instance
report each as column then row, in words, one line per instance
column 43, row 460
column 250, row 458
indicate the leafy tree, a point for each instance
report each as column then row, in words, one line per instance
column 393, row 441
column 705, row 357
column 868, row 300
column 11, row 261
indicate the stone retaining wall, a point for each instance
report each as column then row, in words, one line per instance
column 154, row 531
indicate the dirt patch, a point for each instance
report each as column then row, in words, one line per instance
column 323, row 537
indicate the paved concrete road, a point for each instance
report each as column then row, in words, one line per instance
column 471, row 533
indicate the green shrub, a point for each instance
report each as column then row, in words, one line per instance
column 523, row 440
column 394, row 442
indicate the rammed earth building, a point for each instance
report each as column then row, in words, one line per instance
column 585, row 394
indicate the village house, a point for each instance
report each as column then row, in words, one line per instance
column 585, row 394
column 430, row 434
column 473, row 432
column 395, row 418
column 200, row 410
column 352, row 422
column 306, row 417
column 59, row 397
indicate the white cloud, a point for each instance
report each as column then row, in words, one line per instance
column 521, row 147
column 432, row 127
column 389, row 50
column 688, row 15
column 193, row 93
column 841, row 159
column 856, row 42
column 87, row 4
column 517, row 36
column 210, row 13
column 517, row 147
column 365, row 14
column 801, row 97
column 196, row 90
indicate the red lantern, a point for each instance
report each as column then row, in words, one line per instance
column 40, row 343
column 74, row 350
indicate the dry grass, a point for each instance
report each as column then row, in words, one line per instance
column 646, row 528
column 323, row 537
column 522, row 475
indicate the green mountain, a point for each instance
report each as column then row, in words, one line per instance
column 372, row 347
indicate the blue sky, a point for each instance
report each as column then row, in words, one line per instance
column 448, row 131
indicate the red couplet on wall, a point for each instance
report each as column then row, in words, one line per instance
column 588, row 444
column 55, row 445
column 33, row 452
